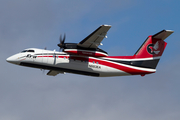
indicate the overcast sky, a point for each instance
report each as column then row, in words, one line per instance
column 28, row 94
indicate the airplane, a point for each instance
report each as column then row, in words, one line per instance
column 86, row 58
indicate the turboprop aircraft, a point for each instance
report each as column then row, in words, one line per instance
column 86, row 58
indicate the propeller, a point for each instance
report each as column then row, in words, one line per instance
column 61, row 44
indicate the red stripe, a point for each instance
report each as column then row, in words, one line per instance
column 86, row 53
column 120, row 67
column 108, row 64
column 44, row 56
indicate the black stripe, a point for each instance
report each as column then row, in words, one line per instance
column 141, row 63
column 59, row 69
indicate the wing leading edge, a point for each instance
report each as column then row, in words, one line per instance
column 95, row 38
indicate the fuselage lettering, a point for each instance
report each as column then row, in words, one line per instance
column 95, row 66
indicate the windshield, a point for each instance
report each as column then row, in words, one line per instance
column 23, row 51
column 27, row 51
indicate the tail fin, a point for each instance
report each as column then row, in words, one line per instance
column 152, row 49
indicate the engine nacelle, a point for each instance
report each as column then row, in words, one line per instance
column 86, row 52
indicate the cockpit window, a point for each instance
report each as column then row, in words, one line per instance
column 24, row 51
column 30, row 51
column 27, row 51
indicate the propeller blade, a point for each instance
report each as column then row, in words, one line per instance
column 64, row 38
column 61, row 40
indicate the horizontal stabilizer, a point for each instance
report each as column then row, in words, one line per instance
column 162, row 34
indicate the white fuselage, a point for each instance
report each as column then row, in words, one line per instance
column 86, row 58
column 63, row 62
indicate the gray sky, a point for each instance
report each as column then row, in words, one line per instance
column 28, row 94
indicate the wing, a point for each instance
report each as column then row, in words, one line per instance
column 54, row 73
column 95, row 38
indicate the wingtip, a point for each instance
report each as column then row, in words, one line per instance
column 106, row 25
column 169, row 31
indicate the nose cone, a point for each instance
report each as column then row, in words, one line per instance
column 12, row 59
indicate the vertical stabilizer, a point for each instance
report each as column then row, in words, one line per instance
column 154, row 45
column 152, row 49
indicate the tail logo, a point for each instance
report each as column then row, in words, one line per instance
column 153, row 48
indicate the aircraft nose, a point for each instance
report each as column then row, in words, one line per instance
column 10, row 59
